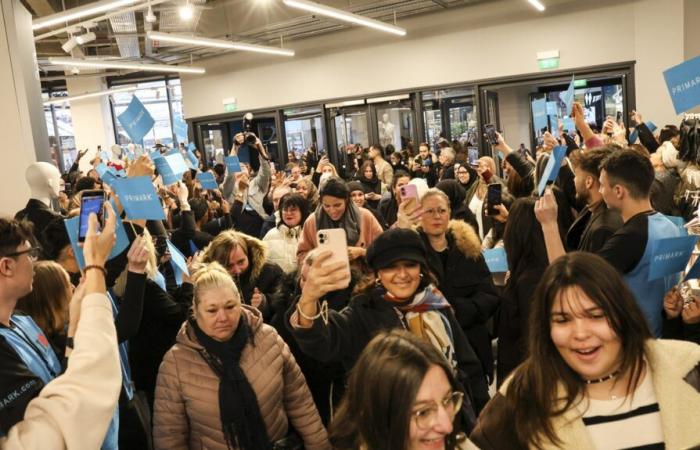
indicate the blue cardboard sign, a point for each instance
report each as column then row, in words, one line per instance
column 651, row 125
column 670, row 256
column 120, row 245
column 105, row 155
column 191, row 147
column 180, row 128
column 139, row 198
column 552, row 109
column 496, row 259
column 551, row 170
column 207, row 180
column 233, row 164
column 178, row 261
column 568, row 97
column 192, row 159
column 539, row 114
column 136, row 120
column 166, row 172
column 554, row 126
column 177, row 162
column 569, row 124
column 155, row 155
column 683, row 83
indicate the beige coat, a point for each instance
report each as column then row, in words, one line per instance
column 186, row 411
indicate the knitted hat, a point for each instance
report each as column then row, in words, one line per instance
column 396, row 244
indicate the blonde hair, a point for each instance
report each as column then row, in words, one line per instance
column 151, row 266
column 48, row 301
column 221, row 246
column 435, row 192
column 211, row 276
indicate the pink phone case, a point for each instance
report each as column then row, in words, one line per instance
column 335, row 241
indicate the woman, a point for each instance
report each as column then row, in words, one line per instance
column 307, row 189
column 282, row 241
column 399, row 293
column 245, row 258
column 466, row 176
column 370, row 184
column 338, row 211
column 230, row 381
column 401, row 395
column 454, row 256
column 458, row 208
column 324, row 170
column 357, row 195
column 48, row 302
column 396, row 161
column 389, row 207
column 527, row 260
column 594, row 377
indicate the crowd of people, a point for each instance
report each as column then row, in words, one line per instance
column 411, row 340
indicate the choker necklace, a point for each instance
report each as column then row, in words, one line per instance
column 603, row 379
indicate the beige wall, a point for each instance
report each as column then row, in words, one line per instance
column 485, row 41
column 92, row 118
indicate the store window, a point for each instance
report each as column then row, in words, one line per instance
column 158, row 102
column 60, row 130
column 450, row 114
column 395, row 125
column 351, row 127
column 303, row 128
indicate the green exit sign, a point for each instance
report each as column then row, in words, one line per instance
column 580, row 83
column 230, row 107
column 548, row 63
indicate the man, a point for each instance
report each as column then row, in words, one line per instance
column 350, row 163
column 423, row 165
column 27, row 361
column 626, row 177
column 277, row 193
column 384, row 171
column 596, row 223
column 447, row 162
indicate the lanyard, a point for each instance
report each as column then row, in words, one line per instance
column 17, row 330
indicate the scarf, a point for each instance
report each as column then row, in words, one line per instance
column 426, row 317
column 349, row 221
column 241, row 420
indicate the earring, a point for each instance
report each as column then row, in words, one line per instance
column 377, row 282
column 421, row 275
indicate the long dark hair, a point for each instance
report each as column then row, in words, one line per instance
column 362, row 177
column 376, row 409
column 533, row 393
column 291, row 199
column 523, row 239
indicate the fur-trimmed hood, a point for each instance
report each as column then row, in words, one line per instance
column 465, row 238
column 257, row 255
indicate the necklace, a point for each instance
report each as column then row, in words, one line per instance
column 603, row 379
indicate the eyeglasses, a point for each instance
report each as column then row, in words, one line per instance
column 438, row 211
column 427, row 416
column 32, row 252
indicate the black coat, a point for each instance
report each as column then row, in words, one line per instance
column 349, row 331
column 592, row 228
column 39, row 214
column 465, row 280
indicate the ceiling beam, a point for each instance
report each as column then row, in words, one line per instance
column 441, row 3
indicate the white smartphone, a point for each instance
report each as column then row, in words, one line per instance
column 409, row 191
column 334, row 240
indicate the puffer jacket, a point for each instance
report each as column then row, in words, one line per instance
column 186, row 413
column 282, row 244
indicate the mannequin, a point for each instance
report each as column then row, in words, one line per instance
column 386, row 131
column 44, row 184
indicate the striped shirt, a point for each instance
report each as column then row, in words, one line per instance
column 620, row 424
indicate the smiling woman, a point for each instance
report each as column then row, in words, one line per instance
column 594, row 377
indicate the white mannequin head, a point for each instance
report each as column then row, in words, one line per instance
column 43, row 180
column 385, row 117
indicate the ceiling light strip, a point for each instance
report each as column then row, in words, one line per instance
column 108, row 64
column 536, row 3
column 79, row 12
column 345, row 16
column 217, row 43
column 72, row 98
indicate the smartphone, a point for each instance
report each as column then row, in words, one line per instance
column 493, row 197
column 335, row 240
column 90, row 202
column 427, row 162
column 473, row 156
column 409, row 191
column 490, row 131
column 618, row 118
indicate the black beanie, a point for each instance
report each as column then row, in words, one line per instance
column 396, row 244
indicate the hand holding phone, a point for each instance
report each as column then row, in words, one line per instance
column 90, row 202
column 409, row 193
column 490, row 132
column 493, row 198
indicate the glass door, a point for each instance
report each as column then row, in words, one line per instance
column 396, row 125
column 304, row 130
column 350, row 126
column 491, row 116
column 450, row 114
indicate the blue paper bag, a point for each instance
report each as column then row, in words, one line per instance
column 496, row 260
column 551, row 171
column 670, row 256
column 139, row 198
column 207, row 180
column 166, row 172
column 683, row 83
column 233, row 164
column 136, row 120
column 539, row 114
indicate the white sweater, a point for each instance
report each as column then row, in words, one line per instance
column 282, row 246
